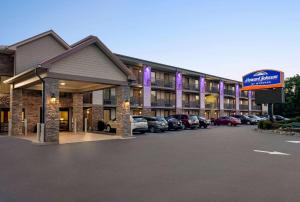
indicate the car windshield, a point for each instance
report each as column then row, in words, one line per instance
column 159, row 118
column 194, row 118
column 139, row 119
column 200, row 117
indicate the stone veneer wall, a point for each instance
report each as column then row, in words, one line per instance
column 78, row 110
column 32, row 103
column 52, row 110
column 16, row 107
column 97, row 115
column 123, row 111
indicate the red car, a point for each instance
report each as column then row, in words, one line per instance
column 227, row 120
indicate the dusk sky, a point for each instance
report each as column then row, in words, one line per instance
column 224, row 38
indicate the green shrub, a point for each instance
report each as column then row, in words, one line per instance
column 269, row 125
column 291, row 125
column 260, row 125
column 298, row 119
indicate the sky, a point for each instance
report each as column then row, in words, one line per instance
column 224, row 38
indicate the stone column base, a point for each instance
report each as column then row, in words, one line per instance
column 97, row 115
column 202, row 112
column 179, row 110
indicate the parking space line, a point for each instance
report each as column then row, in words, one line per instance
column 272, row 152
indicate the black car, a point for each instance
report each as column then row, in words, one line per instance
column 173, row 123
column 203, row 122
column 156, row 124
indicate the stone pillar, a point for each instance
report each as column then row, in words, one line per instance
column 249, row 101
column 123, row 111
column 237, row 98
column 202, row 95
column 221, row 97
column 16, row 108
column 97, row 115
column 178, row 92
column 147, row 90
column 78, row 111
column 51, row 116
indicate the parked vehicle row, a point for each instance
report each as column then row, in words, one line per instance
column 154, row 124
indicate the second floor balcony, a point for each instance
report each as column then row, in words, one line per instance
column 244, row 94
column 212, row 105
column 212, row 89
column 244, row 107
column 163, row 103
column 136, row 102
column 163, row 83
column 229, row 92
column 256, row 107
column 229, row 106
column 191, row 104
column 109, row 101
column 193, row 87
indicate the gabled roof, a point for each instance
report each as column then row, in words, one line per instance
column 84, row 43
column 49, row 32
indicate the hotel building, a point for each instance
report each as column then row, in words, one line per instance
column 45, row 80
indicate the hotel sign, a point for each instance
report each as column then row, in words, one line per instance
column 263, row 79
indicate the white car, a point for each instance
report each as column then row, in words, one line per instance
column 138, row 124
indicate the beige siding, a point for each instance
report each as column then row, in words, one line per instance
column 31, row 54
column 89, row 62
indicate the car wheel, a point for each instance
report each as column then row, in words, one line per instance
column 183, row 127
column 142, row 132
column 229, row 124
column 205, row 126
column 248, row 123
column 152, row 129
column 108, row 128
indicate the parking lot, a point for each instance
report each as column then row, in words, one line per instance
column 216, row 164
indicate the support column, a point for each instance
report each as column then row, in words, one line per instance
column 123, row 111
column 221, row 97
column 16, row 108
column 78, row 111
column 237, row 98
column 178, row 93
column 202, row 95
column 51, row 115
column 147, row 90
column 249, row 101
column 97, row 115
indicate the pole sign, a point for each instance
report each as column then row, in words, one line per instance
column 263, row 79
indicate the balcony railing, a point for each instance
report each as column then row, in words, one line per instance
column 162, row 83
column 192, row 104
column 212, row 89
column 228, row 106
column 135, row 101
column 244, row 107
column 229, row 92
column 244, row 94
column 211, row 105
column 163, row 103
column 256, row 107
column 191, row 87
column 110, row 101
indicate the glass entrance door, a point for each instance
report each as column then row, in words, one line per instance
column 64, row 119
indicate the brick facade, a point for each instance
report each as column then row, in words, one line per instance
column 78, row 111
column 97, row 115
column 123, row 111
column 16, row 107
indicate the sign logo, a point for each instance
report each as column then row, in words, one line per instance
column 263, row 79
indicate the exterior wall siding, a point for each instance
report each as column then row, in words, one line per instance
column 99, row 65
column 31, row 54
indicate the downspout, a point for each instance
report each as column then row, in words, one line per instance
column 43, row 96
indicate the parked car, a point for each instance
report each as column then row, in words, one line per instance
column 138, row 124
column 173, row 123
column 156, row 124
column 257, row 118
column 188, row 121
column 246, row 119
column 227, row 120
column 203, row 122
column 280, row 118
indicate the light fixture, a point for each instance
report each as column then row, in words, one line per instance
column 62, row 83
column 53, row 99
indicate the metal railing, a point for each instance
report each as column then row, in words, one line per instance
column 135, row 101
column 110, row 101
column 244, row 94
column 191, row 104
column 212, row 89
column 191, row 87
column 228, row 106
column 244, row 107
column 163, row 103
column 211, row 105
column 229, row 92
column 163, row 83
column 256, row 107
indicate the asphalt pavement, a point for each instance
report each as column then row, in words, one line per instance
column 216, row 164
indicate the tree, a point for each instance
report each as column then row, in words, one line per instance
column 291, row 107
